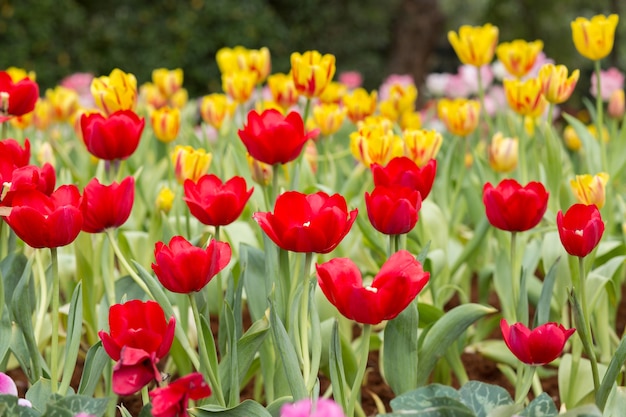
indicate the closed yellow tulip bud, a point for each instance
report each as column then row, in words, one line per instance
column 519, row 56
column 283, row 90
column 190, row 163
column 525, row 97
column 214, row 108
column 474, row 45
column 118, row 91
column 421, row 145
column 616, row 106
column 329, row 118
column 503, row 153
column 168, row 81
column 165, row 123
column 460, row 116
column 243, row 59
column 64, row 102
column 360, row 104
column 556, row 86
column 590, row 189
column 164, row 200
column 312, row 72
column 594, row 38
column 239, row 85
column 571, row 139
column 375, row 143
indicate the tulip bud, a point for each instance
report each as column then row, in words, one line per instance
column 571, row 139
column 590, row 189
column 260, row 171
column 190, row 163
column 503, row 153
column 616, row 104
column 165, row 123
column 165, row 200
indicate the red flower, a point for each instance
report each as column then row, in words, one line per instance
column 12, row 156
column 395, row 286
column 139, row 337
column 113, row 137
column 393, row 210
column 273, row 138
column 184, row 268
column 173, row 400
column 307, row 223
column 46, row 221
column 404, row 172
column 580, row 229
column 539, row 346
column 215, row 203
column 514, row 208
column 22, row 95
column 107, row 206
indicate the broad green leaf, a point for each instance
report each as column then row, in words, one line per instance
column 616, row 403
column 5, row 332
column 573, row 393
column 542, row 313
column 10, row 408
column 77, row 404
column 275, row 406
column 248, row 408
column 255, row 280
column 588, row 410
column 541, row 406
column 483, row 398
column 400, row 341
column 73, row 337
column 338, row 379
column 438, row 407
column 444, row 332
column 423, row 397
column 93, row 367
column 12, row 268
column 39, row 394
column 613, row 370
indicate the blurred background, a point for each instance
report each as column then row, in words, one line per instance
column 58, row 37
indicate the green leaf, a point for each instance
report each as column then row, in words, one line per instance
column 444, row 332
column 422, row 397
column 248, row 408
column 39, row 394
column 434, row 407
column 255, row 281
column 93, row 367
column 275, row 406
column 541, row 406
column 337, row 371
column 5, row 332
column 615, row 366
column 74, row 335
column 10, row 408
column 80, row 404
column 590, row 144
column 482, row 398
column 12, row 267
column 400, row 341
column 616, row 404
column 542, row 314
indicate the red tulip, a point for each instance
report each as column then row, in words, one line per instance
column 215, row 203
column 12, row 156
column 273, row 138
column 395, row 286
column 183, row 268
column 393, row 210
column 580, row 229
column 539, row 346
column 107, row 206
column 113, row 137
column 173, row 400
column 404, row 172
column 139, row 337
column 514, row 208
column 307, row 223
column 46, row 221
column 22, row 95
column 30, row 177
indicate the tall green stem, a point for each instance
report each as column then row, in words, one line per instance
column 303, row 324
column 525, row 376
column 599, row 118
column 54, row 312
column 125, row 264
column 515, row 276
column 586, row 334
column 481, row 97
column 363, row 354
column 522, row 152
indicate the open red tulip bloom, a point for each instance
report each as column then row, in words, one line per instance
column 22, row 95
column 12, row 156
column 514, row 208
column 107, row 206
column 307, row 223
column 397, row 283
column 215, row 203
column 184, row 268
column 139, row 337
column 393, row 210
column 43, row 221
column 173, row 400
column 538, row 346
column 30, row 177
column 273, row 138
column 402, row 171
column 580, row 229
column 113, row 137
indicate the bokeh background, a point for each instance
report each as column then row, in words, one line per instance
column 377, row 38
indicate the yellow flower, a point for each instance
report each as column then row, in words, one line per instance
column 64, row 102
column 151, row 96
column 239, row 85
column 474, row 45
column 329, row 117
column 503, row 153
column 616, row 106
column 45, row 154
column 519, row 56
column 556, row 87
column 118, row 91
column 165, row 123
column 243, row 59
column 590, row 189
column 525, row 97
column 401, row 99
column 421, row 145
column 18, row 74
column 283, row 90
column 594, row 38
column 261, row 172
column 190, row 163
column 164, row 200
column 214, row 108
column 333, row 93
column 312, row 72
column 168, row 81
column 360, row 104
column 375, row 143
column 594, row 132
column 571, row 139
column 410, row 120
column 23, row 121
column 179, row 99
column 460, row 115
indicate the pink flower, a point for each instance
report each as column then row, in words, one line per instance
column 8, row 387
column 302, row 408
column 351, row 79
column 469, row 74
column 403, row 80
column 610, row 80
column 436, row 83
column 81, row 83
column 457, row 87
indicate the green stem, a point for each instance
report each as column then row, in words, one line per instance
column 481, row 97
column 588, row 343
column 599, row 118
column 515, row 287
column 303, row 325
column 307, row 107
column 126, row 265
column 363, row 354
column 54, row 312
column 205, row 364
column 525, row 376
column 522, row 152
column 145, row 397
column 274, row 193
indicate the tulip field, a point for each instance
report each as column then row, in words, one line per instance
column 245, row 253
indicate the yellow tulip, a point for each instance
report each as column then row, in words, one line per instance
column 214, row 108
column 519, row 56
column 503, row 153
column 590, row 189
column 165, row 123
column 410, row 120
column 421, row 145
column 616, row 106
column 329, row 117
column 360, row 104
column 190, row 163
column 165, row 200
column 460, row 115
column 571, row 139
column 18, row 74
column 312, row 72
column 168, row 81
column 151, row 97
column 64, row 102
column 525, row 97
column 242, row 59
column 283, row 90
column 23, row 121
column 556, row 86
column 239, row 85
column 594, row 38
column 474, row 45
column 118, row 91
column 333, row 93
column 375, row 143
column 179, row 99
column 401, row 99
